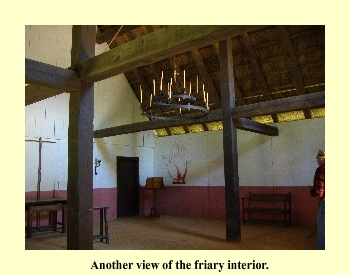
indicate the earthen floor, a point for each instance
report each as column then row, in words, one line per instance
column 185, row 233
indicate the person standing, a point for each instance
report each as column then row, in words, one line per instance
column 318, row 190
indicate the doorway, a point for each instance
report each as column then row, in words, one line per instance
column 128, row 187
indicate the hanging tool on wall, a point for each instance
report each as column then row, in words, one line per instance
column 39, row 170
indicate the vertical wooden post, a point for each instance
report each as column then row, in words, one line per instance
column 233, row 225
column 80, row 147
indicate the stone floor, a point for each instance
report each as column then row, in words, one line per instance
column 185, row 233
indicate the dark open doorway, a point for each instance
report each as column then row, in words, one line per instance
column 128, row 187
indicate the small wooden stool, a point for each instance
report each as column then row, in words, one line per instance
column 103, row 216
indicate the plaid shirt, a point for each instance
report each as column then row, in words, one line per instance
column 318, row 190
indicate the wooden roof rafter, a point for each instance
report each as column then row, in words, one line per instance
column 293, row 64
column 260, row 75
column 206, row 78
column 239, row 96
column 270, row 53
column 109, row 34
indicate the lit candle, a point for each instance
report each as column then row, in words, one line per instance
column 171, row 83
column 207, row 100
column 161, row 82
column 197, row 84
column 184, row 79
column 150, row 102
column 203, row 93
column 141, row 94
column 190, row 89
column 154, row 86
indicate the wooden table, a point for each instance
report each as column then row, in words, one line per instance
column 46, row 205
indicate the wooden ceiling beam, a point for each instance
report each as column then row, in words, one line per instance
column 287, row 104
column 35, row 93
column 255, row 127
column 276, row 106
column 46, row 81
column 158, row 45
column 52, row 77
column 215, row 115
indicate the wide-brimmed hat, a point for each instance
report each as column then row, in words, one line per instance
column 321, row 154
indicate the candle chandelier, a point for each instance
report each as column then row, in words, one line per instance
column 176, row 101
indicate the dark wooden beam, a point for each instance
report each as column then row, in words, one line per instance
column 80, row 147
column 47, row 81
column 287, row 104
column 35, row 93
column 232, row 200
column 186, row 128
column 168, row 131
column 51, row 77
column 314, row 100
column 205, row 126
column 255, row 127
column 156, row 46
column 152, row 125
column 242, row 124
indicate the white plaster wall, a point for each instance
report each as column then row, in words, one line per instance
column 201, row 151
column 255, row 165
column 115, row 104
column 294, row 154
column 47, row 119
column 49, row 44
column 285, row 160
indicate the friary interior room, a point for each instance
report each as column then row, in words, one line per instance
column 150, row 127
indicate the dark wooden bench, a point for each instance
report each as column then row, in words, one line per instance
column 267, row 207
